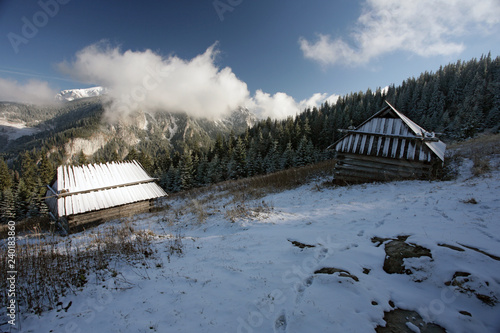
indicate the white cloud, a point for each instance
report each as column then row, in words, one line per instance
column 317, row 99
column 147, row 81
column 34, row 91
column 281, row 105
column 424, row 27
column 277, row 106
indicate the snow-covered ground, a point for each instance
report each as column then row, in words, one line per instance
column 248, row 276
column 15, row 130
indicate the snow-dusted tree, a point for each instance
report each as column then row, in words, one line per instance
column 288, row 157
column 272, row 160
column 186, row 171
column 305, row 152
column 5, row 177
column 239, row 158
column 7, row 206
column 215, row 170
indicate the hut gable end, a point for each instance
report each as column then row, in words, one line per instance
column 386, row 146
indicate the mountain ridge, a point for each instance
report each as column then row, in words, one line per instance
column 75, row 94
column 79, row 125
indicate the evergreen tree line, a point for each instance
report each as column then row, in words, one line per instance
column 22, row 192
column 459, row 101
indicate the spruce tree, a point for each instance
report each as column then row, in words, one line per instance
column 46, row 170
column 305, row 153
column 288, row 158
column 28, row 172
column 214, row 171
column 186, row 171
column 5, row 177
column 81, row 159
column 272, row 159
column 239, row 158
column 7, row 205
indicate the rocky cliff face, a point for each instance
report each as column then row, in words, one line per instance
column 81, row 127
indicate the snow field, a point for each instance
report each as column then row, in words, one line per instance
column 247, row 276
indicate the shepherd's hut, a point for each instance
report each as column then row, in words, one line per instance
column 387, row 146
column 90, row 194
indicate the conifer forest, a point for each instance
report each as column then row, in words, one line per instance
column 458, row 101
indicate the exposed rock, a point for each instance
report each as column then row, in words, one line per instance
column 299, row 244
column 492, row 256
column 465, row 313
column 380, row 240
column 453, row 247
column 333, row 270
column 397, row 250
column 488, row 300
column 400, row 321
column 467, row 283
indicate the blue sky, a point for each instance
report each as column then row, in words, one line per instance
column 275, row 56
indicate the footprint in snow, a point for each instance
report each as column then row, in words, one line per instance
column 280, row 323
column 322, row 254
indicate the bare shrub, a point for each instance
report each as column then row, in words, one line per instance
column 243, row 210
column 48, row 270
column 479, row 150
column 198, row 210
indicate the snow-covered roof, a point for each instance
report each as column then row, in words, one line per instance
column 80, row 189
column 438, row 147
column 389, row 133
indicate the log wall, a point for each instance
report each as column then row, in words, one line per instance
column 353, row 168
column 79, row 222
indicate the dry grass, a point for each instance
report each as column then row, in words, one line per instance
column 257, row 186
column 479, row 150
column 29, row 225
column 48, row 270
column 240, row 196
column 243, row 210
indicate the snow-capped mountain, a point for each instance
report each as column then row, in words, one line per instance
column 73, row 94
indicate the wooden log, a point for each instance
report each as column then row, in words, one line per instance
column 362, row 168
column 374, row 174
column 401, row 174
column 95, row 217
column 356, row 176
column 381, row 160
column 389, row 167
column 398, row 136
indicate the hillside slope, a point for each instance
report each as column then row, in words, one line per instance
column 81, row 126
column 312, row 259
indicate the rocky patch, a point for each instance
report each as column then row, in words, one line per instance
column 405, row 321
column 300, row 245
column 397, row 250
column 333, row 270
column 467, row 283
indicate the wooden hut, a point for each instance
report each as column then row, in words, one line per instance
column 90, row 194
column 387, row 146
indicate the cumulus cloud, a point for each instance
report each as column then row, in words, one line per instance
column 144, row 80
column 317, row 99
column 34, row 92
column 424, row 27
column 281, row 105
column 277, row 106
